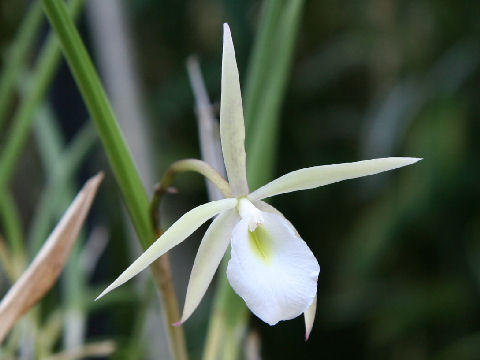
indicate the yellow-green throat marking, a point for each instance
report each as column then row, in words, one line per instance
column 261, row 244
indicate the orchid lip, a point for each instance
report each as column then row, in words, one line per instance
column 261, row 244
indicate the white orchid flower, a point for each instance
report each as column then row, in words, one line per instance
column 270, row 267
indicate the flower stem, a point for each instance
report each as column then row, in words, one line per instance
column 163, row 279
column 195, row 165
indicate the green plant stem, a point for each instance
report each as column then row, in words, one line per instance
column 42, row 76
column 13, row 227
column 171, row 310
column 16, row 59
column 134, row 194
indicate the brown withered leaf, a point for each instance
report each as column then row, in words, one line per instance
column 97, row 349
column 50, row 260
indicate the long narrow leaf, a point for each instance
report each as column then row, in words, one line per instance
column 261, row 59
column 262, row 143
column 102, row 114
column 10, row 219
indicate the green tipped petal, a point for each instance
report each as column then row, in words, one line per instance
column 309, row 315
column 232, row 128
column 175, row 234
column 210, row 253
column 309, row 178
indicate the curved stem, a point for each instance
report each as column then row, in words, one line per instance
column 195, row 165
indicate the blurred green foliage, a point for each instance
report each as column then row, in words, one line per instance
column 400, row 253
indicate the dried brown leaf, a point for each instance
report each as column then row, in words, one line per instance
column 50, row 260
column 97, row 349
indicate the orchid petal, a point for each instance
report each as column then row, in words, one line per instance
column 272, row 269
column 309, row 318
column 309, row 178
column 232, row 128
column 175, row 234
column 213, row 247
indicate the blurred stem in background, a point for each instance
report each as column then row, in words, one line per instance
column 208, row 127
column 133, row 192
column 17, row 56
column 263, row 55
column 22, row 119
column 269, row 69
column 13, row 231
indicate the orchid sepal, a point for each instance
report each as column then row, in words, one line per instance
column 212, row 248
column 175, row 234
column 312, row 177
column 232, row 128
